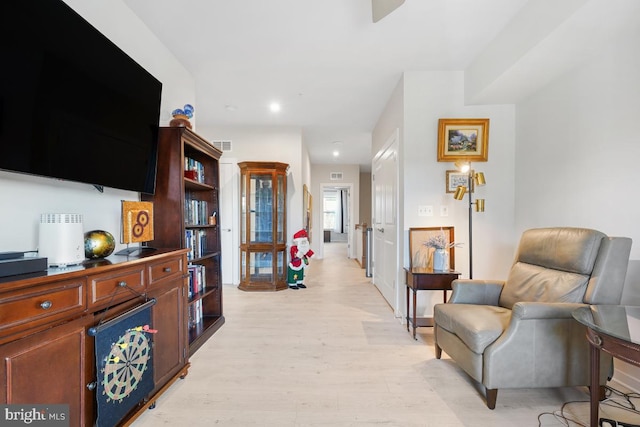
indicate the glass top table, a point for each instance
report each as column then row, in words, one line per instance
column 617, row 321
column 614, row 329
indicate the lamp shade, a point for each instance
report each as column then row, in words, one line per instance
column 479, row 205
column 460, row 192
column 479, row 178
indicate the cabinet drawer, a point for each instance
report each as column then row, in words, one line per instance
column 41, row 304
column 165, row 268
column 117, row 286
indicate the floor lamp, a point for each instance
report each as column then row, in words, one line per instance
column 477, row 179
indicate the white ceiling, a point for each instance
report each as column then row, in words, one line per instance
column 325, row 61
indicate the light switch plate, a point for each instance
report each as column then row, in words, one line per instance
column 425, row 210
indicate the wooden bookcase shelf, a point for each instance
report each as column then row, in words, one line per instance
column 186, row 197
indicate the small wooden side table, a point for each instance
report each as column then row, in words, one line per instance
column 426, row 279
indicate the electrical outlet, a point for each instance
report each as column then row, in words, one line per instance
column 425, row 210
column 444, row 210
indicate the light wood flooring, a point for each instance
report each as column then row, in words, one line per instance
column 334, row 355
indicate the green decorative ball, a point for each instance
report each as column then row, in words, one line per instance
column 98, row 244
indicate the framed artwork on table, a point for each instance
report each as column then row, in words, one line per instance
column 456, row 178
column 421, row 245
column 463, row 139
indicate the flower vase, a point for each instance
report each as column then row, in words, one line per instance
column 439, row 259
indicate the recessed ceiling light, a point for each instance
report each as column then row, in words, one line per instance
column 336, row 153
column 274, row 107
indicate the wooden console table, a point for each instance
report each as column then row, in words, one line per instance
column 610, row 328
column 426, row 279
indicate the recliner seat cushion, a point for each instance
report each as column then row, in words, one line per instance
column 533, row 283
column 476, row 325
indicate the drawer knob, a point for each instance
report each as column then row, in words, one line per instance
column 122, row 284
column 46, row 305
column 167, row 269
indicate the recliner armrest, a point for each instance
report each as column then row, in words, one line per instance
column 544, row 310
column 485, row 292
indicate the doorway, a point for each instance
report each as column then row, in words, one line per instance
column 336, row 216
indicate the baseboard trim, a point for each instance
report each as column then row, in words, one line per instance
column 628, row 376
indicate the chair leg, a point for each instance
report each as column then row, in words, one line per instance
column 492, row 395
column 438, row 351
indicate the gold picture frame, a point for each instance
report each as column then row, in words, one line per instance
column 463, row 139
column 307, row 210
column 421, row 256
column 456, row 178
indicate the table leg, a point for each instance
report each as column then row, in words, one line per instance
column 407, row 292
column 414, row 314
column 595, row 386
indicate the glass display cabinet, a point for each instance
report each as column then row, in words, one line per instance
column 263, row 226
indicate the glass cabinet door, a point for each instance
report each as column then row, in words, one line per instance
column 261, row 208
column 280, row 194
column 243, row 210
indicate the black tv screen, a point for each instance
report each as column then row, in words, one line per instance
column 73, row 105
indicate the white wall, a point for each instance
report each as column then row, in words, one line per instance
column 421, row 98
column 430, row 96
column 269, row 144
column 577, row 156
column 24, row 197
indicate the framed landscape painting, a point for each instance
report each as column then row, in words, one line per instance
column 463, row 139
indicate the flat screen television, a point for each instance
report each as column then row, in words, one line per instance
column 73, row 105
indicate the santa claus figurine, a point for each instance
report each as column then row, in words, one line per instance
column 300, row 254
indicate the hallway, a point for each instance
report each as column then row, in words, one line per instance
column 334, row 355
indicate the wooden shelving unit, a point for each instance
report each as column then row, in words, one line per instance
column 185, row 201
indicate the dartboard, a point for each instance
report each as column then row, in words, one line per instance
column 125, row 365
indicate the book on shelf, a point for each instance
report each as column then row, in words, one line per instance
column 195, row 166
column 195, row 314
column 196, row 212
column 197, row 279
column 196, row 242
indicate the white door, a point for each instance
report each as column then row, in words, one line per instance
column 385, row 201
column 229, row 241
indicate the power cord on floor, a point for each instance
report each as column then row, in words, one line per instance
column 613, row 397
column 562, row 417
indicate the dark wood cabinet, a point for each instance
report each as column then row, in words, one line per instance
column 186, row 215
column 169, row 344
column 49, row 367
column 47, row 353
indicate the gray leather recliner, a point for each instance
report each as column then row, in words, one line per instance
column 519, row 333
